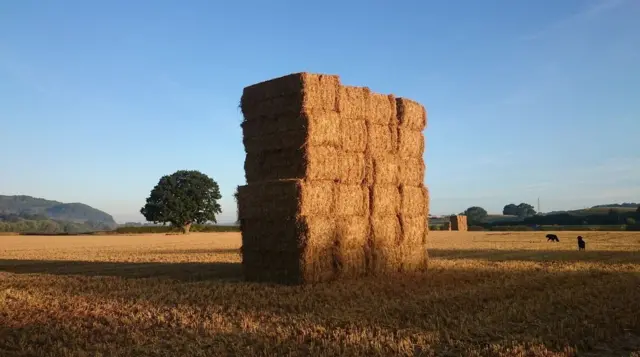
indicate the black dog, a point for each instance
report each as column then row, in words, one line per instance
column 581, row 243
column 552, row 237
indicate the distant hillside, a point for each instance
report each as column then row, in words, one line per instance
column 13, row 208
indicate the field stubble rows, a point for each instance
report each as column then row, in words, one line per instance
column 486, row 294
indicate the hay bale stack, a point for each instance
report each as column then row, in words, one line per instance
column 334, row 181
column 458, row 223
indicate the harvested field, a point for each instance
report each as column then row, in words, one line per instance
column 485, row 294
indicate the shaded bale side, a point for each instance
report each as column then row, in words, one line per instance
column 309, row 129
column 310, row 265
column 287, row 233
column 385, row 231
column 382, row 169
column 381, row 139
column 383, row 109
column 290, row 95
column 351, row 262
column 414, row 230
column 411, row 114
column 410, row 143
column 311, row 163
column 286, row 199
column 352, row 232
column 352, row 135
column 385, row 255
column 351, row 200
column 354, row 102
column 385, row 200
column 411, row 171
column 351, row 168
column 414, row 201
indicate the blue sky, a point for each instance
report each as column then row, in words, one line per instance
column 526, row 99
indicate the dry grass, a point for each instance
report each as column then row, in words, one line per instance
column 486, row 294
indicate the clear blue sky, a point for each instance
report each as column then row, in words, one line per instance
column 526, row 99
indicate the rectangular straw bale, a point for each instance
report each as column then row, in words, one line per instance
column 411, row 114
column 286, row 199
column 383, row 169
column 414, row 200
column 383, row 109
column 352, row 135
column 310, row 163
column 352, row 168
column 310, row 265
column 410, row 143
column 411, row 171
column 414, row 257
column 351, row 200
column 414, row 229
column 354, row 102
column 307, row 129
column 385, row 200
column 288, row 233
column 385, row 260
column 385, row 230
column 352, row 231
column 351, row 262
column 292, row 94
column 381, row 139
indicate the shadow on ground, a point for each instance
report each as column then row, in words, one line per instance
column 602, row 256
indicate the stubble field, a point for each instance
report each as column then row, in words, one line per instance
column 486, row 294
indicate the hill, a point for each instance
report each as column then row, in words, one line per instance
column 27, row 208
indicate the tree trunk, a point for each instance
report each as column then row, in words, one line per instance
column 186, row 228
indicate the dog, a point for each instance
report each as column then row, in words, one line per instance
column 582, row 245
column 552, row 237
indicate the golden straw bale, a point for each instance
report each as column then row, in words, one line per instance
column 293, row 132
column 383, row 169
column 290, row 95
column 288, row 233
column 352, row 231
column 351, row 200
column 410, row 143
column 458, row 223
column 383, row 109
column 411, row 114
column 351, row 168
column 414, row 200
column 310, row 163
column 354, row 102
column 385, row 200
column 310, row 265
column 351, row 262
column 411, row 171
column 385, row 230
column 385, row 260
column 352, row 135
column 414, row 257
column 381, row 139
column 414, row 229
column 286, row 199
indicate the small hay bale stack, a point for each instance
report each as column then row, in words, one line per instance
column 458, row 223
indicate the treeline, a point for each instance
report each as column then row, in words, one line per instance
column 172, row 229
column 613, row 217
column 48, row 226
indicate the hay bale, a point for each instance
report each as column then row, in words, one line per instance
column 382, row 169
column 352, row 168
column 414, row 230
column 411, row 171
column 292, row 94
column 354, row 102
column 293, row 132
column 414, row 201
column 310, row 163
column 383, row 109
column 289, row 198
column 381, row 139
column 410, row 143
column 415, row 257
column 385, row 231
column 352, row 135
column 459, row 223
column 411, row 114
column 310, row 265
column 351, row 262
column 351, row 200
column 385, row 200
column 290, row 234
column 352, row 232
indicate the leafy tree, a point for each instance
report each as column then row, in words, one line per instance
column 521, row 210
column 475, row 214
column 631, row 221
column 638, row 210
column 183, row 198
column 510, row 210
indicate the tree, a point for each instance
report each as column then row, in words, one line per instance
column 638, row 210
column 510, row 210
column 183, row 198
column 631, row 221
column 475, row 214
column 236, row 197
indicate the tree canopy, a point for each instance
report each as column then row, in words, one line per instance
column 521, row 210
column 475, row 214
column 183, row 198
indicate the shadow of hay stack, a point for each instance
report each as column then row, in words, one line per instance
column 335, row 181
